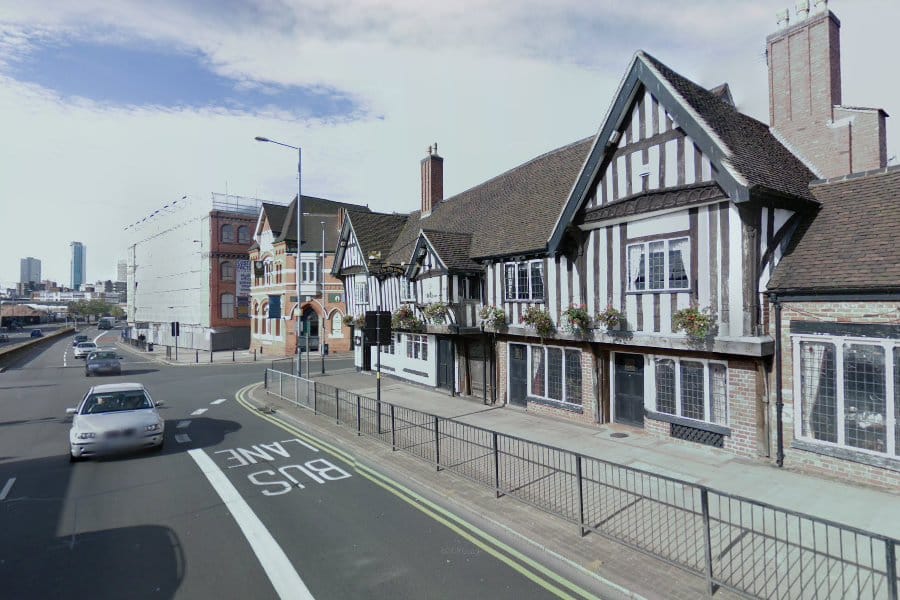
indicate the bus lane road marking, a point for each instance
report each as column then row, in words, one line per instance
column 271, row 556
column 283, row 479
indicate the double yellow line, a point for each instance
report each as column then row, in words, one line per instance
column 522, row 564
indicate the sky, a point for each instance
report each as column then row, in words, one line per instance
column 111, row 110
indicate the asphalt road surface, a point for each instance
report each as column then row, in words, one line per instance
column 235, row 506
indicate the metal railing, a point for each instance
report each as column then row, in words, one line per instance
column 749, row 547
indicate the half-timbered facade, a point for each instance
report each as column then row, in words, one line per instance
column 624, row 278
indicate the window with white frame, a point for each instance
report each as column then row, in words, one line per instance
column 555, row 374
column 849, row 393
column 308, row 271
column 416, row 346
column 694, row 389
column 361, row 292
column 659, row 265
column 524, row 281
column 269, row 269
column 407, row 289
column 337, row 325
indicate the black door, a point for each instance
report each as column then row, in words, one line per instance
column 629, row 389
column 445, row 364
column 367, row 357
column 518, row 374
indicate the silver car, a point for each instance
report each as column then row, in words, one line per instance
column 84, row 348
column 115, row 418
column 102, row 361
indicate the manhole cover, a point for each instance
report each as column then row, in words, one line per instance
column 618, row 435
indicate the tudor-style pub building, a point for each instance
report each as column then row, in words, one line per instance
column 628, row 278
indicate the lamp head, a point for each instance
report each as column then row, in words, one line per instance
column 259, row 138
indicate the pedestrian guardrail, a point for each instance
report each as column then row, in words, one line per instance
column 749, row 547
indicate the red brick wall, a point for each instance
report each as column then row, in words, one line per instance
column 221, row 251
column 811, row 462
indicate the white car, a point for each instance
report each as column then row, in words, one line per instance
column 115, row 418
column 84, row 348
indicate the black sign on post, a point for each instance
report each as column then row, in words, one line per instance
column 378, row 328
column 176, row 328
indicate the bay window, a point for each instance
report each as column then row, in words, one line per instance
column 848, row 393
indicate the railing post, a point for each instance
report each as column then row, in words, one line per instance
column 232, row 355
column 437, row 444
column 266, row 380
column 281, row 385
column 358, row 416
column 393, row 431
column 496, row 464
column 378, row 407
column 196, row 356
column 337, row 406
column 580, row 496
column 254, row 355
column 210, row 356
column 890, row 557
column 296, row 391
column 707, row 543
column 315, row 399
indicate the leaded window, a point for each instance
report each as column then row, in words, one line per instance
column 692, row 390
column 537, row 371
column 556, row 374
column 818, row 391
column 864, row 397
column 573, row 376
column 524, row 281
column 659, row 265
column 665, row 386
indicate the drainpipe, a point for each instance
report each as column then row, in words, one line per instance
column 779, row 400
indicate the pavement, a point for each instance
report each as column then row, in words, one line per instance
column 191, row 356
column 857, row 506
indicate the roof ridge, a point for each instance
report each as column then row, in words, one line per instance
column 886, row 170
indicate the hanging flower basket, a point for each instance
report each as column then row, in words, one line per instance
column 610, row 318
column 696, row 323
column 577, row 318
column 435, row 312
column 540, row 320
column 493, row 317
column 357, row 321
column 405, row 318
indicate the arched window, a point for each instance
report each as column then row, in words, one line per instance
column 227, row 270
column 227, row 233
column 243, row 234
column 337, row 322
column 227, row 306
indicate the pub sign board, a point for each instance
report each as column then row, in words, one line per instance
column 377, row 331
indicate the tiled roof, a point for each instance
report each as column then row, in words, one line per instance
column 275, row 214
column 453, row 248
column 317, row 209
column 683, row 196
column 851, row 244
column 376, row 232
column 513, row 213
column 755, row 153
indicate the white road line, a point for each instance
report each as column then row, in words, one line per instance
column 199, row 411
column 183, row 424
column 182, row 438
column 219, row 401
column 98, row 337
column 274, row 561
column 6, row 488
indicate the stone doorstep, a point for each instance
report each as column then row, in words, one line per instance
column 546, row 535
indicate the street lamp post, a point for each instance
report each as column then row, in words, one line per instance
column 322, row 327
column 299, row 239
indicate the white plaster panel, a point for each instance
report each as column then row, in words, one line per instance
column 677, row 221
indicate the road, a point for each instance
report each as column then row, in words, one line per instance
column 236, row 505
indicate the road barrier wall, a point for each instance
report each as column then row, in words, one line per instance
column 13, row 352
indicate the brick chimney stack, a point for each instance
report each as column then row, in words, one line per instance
column 432, row 180
column 805, row 96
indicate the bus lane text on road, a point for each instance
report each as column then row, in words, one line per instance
column 283, row 479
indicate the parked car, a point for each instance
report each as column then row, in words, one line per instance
column 102, row 361
column 115, row 418
column 84, row 348
column 37, row 333
column 78, row 339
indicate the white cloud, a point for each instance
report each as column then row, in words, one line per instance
column 495, row 83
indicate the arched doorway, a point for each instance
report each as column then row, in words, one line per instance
column 310, row 319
